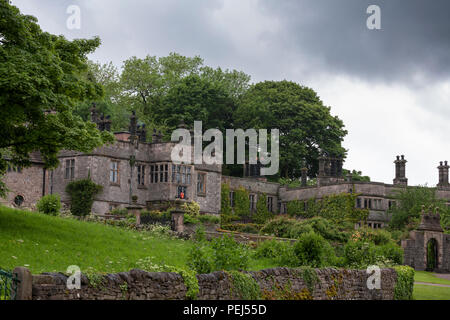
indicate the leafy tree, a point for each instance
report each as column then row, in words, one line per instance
column 195, row 98
column 41, row 79
column 145, row 81
column 356, row 175
column 110, row 104
column 409, row 201
column 307, row 129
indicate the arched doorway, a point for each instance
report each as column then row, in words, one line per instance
column 432, row 254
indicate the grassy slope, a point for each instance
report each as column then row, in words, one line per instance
column 45, row 244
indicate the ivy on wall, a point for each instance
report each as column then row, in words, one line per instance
column 241, row 202
column 225, row 207
column 338, row 208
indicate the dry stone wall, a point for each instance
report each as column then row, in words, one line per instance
column 140, row 285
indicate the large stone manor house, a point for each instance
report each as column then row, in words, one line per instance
column 133, row 167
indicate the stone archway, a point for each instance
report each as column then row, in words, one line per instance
column 428, row 247
column 432, row 254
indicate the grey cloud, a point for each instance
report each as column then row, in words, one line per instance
column 412, row 47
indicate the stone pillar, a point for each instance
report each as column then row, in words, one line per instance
column 136, row 211
column 25, row 285
column 304, row 176
column 321, row 166
column 400, row 171
column 443, row 174
column 177, row 222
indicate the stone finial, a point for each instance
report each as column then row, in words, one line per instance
column 436, row 211
column 423, row 209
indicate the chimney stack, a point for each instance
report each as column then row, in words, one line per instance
column 443, row 174
column 400, row 171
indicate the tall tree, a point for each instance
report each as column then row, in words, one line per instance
column 307, row 128
column 41, row 79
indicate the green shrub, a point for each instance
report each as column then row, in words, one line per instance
column 378, row 237
column 360, row 254
column 279, row 227
column 200, row 258
column 49, row 204
column 391, row 253
column 188, row 219
column 262, row 214
column 241, row 203
column 280, row 252
column 209, row 218
column 245, row 287
column 225, row 207
column 119, row 211
column 243, row 227
column 82, row 193
column 291, row 228
column 405, row 283
column 229, row 255
column 312, row 249
column 191, row 208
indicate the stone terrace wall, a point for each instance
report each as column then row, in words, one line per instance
column 141, row 285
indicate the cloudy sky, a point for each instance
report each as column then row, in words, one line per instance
column 390, row 86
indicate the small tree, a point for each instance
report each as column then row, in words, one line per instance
column 241, row 202
column 82, row 193
column 225, row 207
column 262, row 213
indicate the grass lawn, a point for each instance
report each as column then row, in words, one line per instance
column 424, row 276
column 424, row 292
column 50, row 244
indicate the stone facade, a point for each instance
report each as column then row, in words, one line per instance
column 133, row 167
column 333, row 284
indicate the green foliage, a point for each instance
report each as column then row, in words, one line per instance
column 313, row 250
column 292, row 228
column 244, row 286
column 377, row 236
column 406, row 212
column 309, row 275
column 241, row 202
column 200, row 258
column 360, row 254
column 356, row 175
column 209, row 218
column 189, row 276
column 119, row 211
column 49, row 204
column 82, row 193
column 281, row 252
column 229, row 254
column 191, row 208
column 338, row 208
column 42, row 78
column 306, row 126
column 262, row 214
column 243, row 227
column 225, row 208
column 405, row 283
